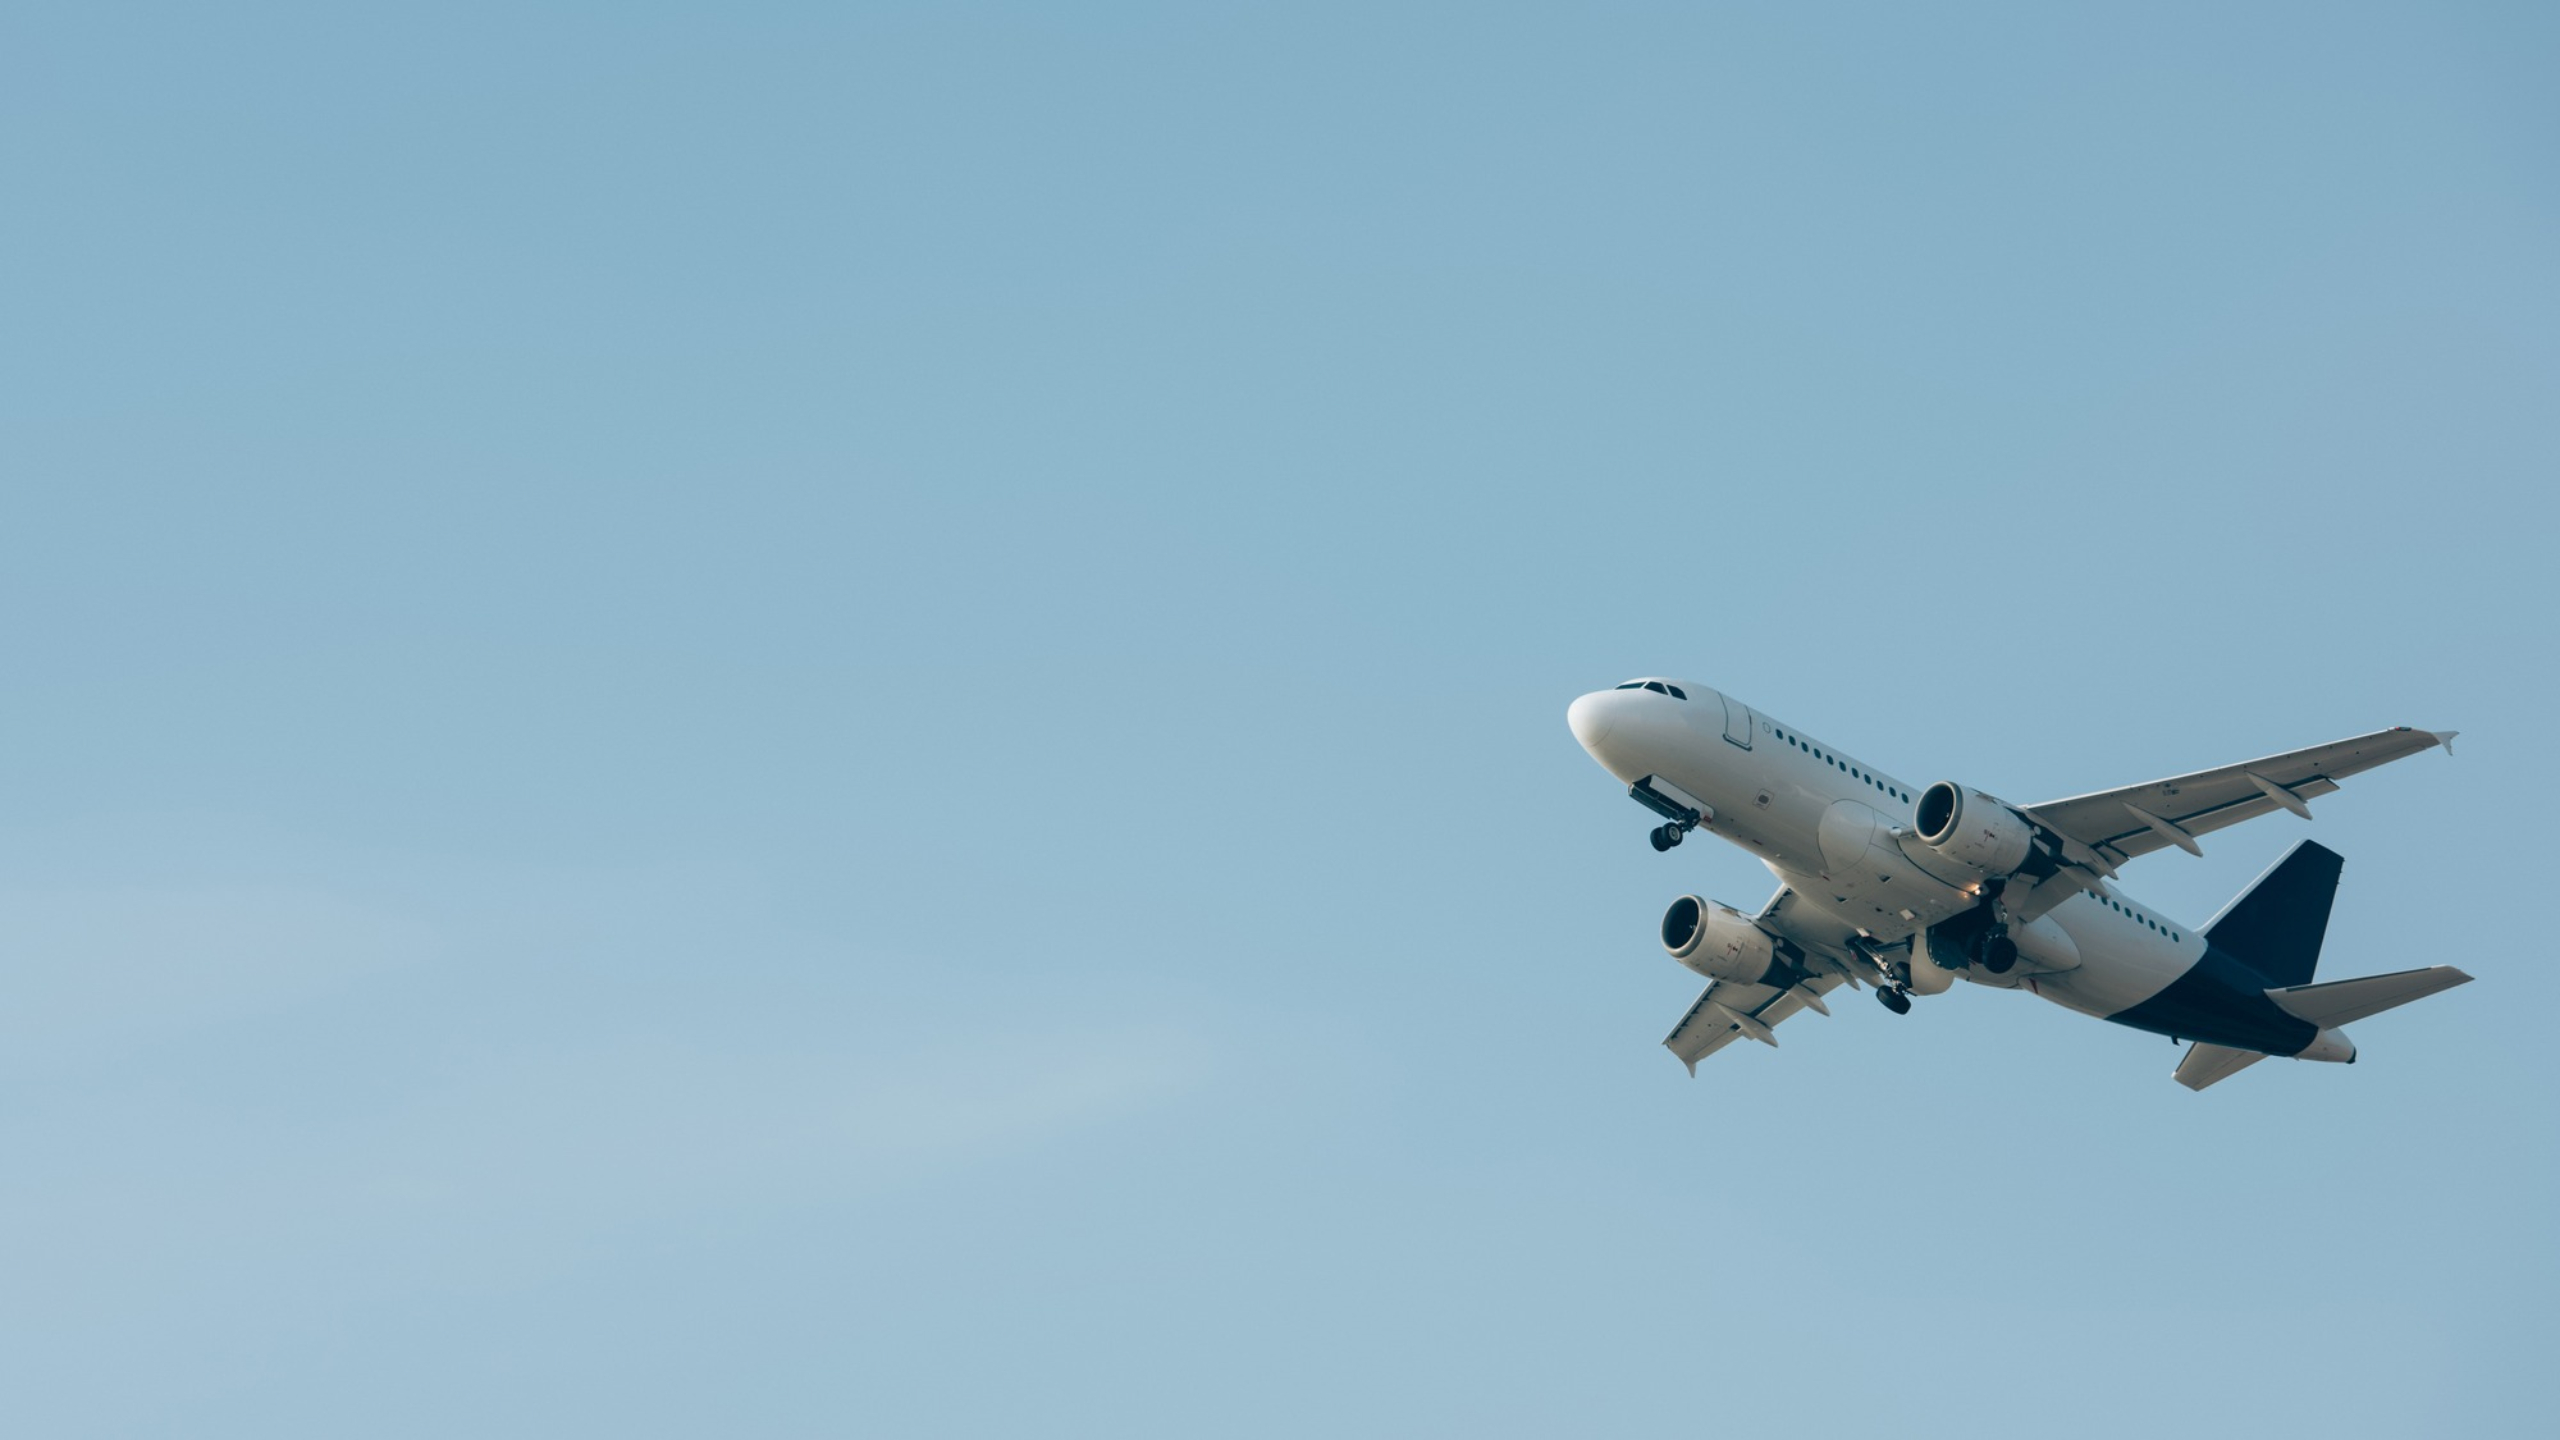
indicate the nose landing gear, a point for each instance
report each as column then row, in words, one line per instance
column 1680, row 810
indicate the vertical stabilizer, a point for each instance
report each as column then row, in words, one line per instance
column 2276, row 926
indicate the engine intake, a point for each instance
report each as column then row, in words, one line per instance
column 1974, row 830
column 1719, row 943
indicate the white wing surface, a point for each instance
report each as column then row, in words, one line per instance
column 2136, row 820
column 1727, row 1012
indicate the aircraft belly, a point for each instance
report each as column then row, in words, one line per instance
column 1839, row 854
column 1856, row 871
column 2117, row 972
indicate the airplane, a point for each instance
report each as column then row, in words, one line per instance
column 1908, row 889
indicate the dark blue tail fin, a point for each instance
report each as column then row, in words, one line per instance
column 2276, row 926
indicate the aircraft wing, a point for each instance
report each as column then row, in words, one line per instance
column 1726, row 1012
column 2136, row 820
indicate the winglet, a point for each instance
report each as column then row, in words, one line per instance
column 2445, row 738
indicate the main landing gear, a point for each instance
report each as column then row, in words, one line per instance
column 1999, row 952
column 1666, row 836
column 1892, row 978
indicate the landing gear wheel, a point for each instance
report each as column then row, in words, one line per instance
column 1895, row 1001
column 1999, row 953
column 1662, row 837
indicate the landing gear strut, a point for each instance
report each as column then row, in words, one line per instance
column 1666, row 836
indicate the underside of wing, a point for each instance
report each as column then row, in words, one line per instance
column 1789, row 917
column 2138, row 819
column 1727, row 1012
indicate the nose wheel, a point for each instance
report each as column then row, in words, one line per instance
column 1666, row 836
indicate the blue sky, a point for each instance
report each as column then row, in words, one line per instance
column 814, row 721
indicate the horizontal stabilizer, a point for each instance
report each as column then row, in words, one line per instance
column 2207, row 1063
column 2343, row 1002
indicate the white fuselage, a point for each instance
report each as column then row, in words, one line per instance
column 1838, row 831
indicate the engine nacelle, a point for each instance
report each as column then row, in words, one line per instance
column 1974, row 830
column 1720, row 943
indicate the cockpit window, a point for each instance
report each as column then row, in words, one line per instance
column 1656, row 687
column 1676, row 692
column 1630, row 685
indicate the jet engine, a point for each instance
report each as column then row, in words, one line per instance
column 1981, row 833
column 1721, row 943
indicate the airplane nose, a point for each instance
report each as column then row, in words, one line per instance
column 1591, row 717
